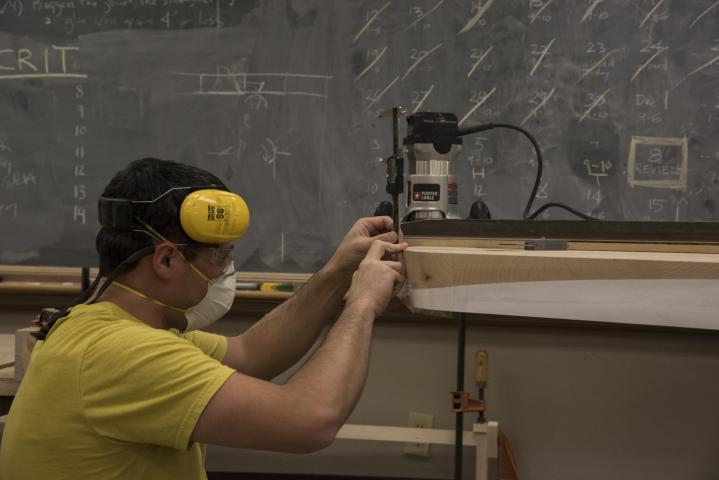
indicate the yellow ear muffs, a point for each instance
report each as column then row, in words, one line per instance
column 214, row 216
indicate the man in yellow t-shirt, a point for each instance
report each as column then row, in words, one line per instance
column 123, row 386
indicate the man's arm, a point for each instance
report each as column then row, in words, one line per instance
column 305, row 414
column 285, row 334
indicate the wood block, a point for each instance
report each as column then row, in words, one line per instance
column 646, row 288
column 24, row 343
column 7, row 350
column 431, row 267
column 8, row 384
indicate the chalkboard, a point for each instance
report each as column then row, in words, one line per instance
column 280, row 98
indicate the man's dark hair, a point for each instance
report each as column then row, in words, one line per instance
column 147, row 179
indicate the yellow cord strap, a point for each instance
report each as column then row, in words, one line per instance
column 142, row 295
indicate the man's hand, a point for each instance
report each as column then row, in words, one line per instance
column 285, row 334
column 304, row 414
column 358, row 240
column 373, row 285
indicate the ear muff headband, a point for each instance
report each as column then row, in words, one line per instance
column 206, row 215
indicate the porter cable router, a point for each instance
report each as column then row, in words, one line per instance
column 432, row 144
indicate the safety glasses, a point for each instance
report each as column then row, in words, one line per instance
column 217, row 256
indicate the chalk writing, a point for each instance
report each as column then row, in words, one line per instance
column 9, row 6
column 589, row 13
column 372, row 17
column 598, row 168
column 477, row 103
column 224, row 82
column 418, row 56
column 599, row 100
column 541, row 6
column 652, row 14
column 595, row 195
column 606, row 61
column 421, row 15
column 79, row 188
column 271, row 152
column 419, row 97
column 377, row 57
column 701, row 15
column 52, row 61
column 543, row 53
column 701, row 67
column 8, row 209
column 375, row 96
column 543, row 99
column 477, row 18
column 658, row 162
column 11, row 178
column 480, row 59
column 645, row 64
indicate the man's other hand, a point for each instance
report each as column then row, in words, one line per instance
column 357, row 242
column 373, row 284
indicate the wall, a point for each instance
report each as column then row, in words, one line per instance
column 590, row 402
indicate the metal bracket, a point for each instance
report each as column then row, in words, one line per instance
column 462, row 403
column 545, row 244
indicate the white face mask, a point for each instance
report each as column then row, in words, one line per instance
column 217, row 301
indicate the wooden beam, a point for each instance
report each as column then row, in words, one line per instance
column 8, row 384
column 71, row 275
column 7, row 350
column 630, row 288
column 24, row 343
column 433, row 267
column 404, row 435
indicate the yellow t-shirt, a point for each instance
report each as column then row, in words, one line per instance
column 108, row 397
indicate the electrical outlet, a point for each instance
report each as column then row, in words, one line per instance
column 418, row 420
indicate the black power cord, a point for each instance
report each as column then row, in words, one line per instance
column 540, row 163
